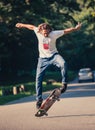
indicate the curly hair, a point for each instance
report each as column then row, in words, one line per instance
column 44, row 26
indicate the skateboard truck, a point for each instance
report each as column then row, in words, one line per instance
column 41, row 112
column 56, row 97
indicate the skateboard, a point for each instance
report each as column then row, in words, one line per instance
column 46, row 105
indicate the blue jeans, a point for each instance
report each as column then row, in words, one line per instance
column 43, row 64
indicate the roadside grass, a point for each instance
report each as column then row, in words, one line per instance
column 30, row 87
column 29, row 90
column 6, row 99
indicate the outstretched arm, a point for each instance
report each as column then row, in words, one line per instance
column 76, row 28
column 28, row 26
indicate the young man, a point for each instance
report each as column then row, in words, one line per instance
column 48, row 54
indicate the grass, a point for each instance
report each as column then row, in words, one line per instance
column 28, row 92
column 30, row 87
column 6, row 99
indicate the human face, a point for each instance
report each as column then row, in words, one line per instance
column 45, row 32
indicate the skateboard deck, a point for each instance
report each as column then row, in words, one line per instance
column 46, row 105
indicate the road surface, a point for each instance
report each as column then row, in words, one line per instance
column 75, row 111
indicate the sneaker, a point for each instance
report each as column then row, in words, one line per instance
column 39, row 103
column 63, row 88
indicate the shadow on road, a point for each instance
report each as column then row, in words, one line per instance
column 73, row 90
column 81, row 115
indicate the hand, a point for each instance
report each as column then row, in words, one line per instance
column 19, row 25
column 78, row 26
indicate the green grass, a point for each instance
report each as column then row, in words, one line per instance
column 30, row 87
column 30, row 91
column 6, row 99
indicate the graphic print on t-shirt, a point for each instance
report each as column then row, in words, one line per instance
column 45, row 43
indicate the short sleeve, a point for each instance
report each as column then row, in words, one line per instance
column 58, row 33
column 36, row 30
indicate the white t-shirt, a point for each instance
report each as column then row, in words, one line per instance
column 47, row 45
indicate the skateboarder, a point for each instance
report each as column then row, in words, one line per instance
column 48, row 54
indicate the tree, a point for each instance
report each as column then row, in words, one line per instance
column 18, row 48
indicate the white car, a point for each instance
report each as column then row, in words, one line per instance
column 85, row 74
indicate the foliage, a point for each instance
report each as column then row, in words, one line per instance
column 6, row 92
column 9, row 98
column 18, row 48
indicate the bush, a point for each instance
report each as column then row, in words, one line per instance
column 7, row 91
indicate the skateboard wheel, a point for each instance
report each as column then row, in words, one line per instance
column 58, row 99
column 41, row 113
column 46, row 114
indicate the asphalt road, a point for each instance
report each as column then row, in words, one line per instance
column 75, row 111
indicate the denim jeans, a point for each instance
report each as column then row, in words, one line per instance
column 43, row 64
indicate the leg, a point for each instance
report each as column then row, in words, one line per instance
column 42, row 65
column 60, row 62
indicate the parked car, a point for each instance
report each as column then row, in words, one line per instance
column 85, row 74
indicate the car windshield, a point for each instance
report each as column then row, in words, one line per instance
column 85, row 71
